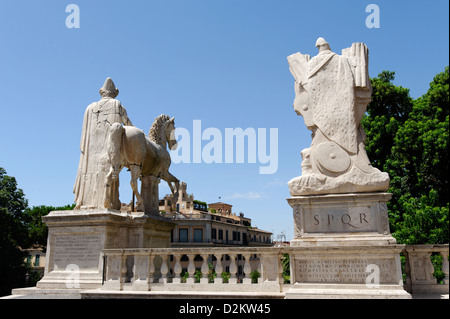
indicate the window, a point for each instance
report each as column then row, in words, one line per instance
column 36, row 260
column 198, row 235
column 183, row 235
column 220, row 234
column 213, row 233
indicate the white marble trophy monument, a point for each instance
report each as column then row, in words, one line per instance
column 341, row 227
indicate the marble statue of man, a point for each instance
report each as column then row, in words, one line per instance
column 332, row 93
column 90, row 185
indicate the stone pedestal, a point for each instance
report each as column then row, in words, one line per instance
column 342, row 248
column 346, row 272
column 76, row 239
column 341, row 219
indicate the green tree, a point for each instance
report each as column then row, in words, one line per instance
column 20, row 227
column 419, row 158
column 13, row 226
column 409, row 139
column 423, row 221
column 37, row 230
column 389, row 109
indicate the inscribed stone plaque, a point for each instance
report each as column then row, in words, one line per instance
column 340, row 219
column 81, row 250
column 344, row 270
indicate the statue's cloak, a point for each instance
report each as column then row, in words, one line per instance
column 328, row 82
column 90, row 182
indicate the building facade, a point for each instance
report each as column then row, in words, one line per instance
column 217, row 226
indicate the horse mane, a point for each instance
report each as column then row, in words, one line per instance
column 156, row 129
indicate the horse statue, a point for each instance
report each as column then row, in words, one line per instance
column 127, row 146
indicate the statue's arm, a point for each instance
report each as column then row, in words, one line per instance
column 125, row 120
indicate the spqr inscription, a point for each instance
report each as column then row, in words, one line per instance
column 353, row 219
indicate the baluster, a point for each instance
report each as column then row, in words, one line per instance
column 445, row 266
column 191, row 270
column 233, row 269
column 280, row 269
column 247, row 269
column 164, row 268
column 219, row 269
column 123, row 269
column 151, row 269
column 204, row 269
column 177, row 269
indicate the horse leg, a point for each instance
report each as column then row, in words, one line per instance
column 169, row 178
column 135, row 171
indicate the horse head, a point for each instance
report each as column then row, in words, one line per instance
column 170, row 134
column 163, row 131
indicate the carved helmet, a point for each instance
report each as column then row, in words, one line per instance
column 321, row 41
column 109, row 89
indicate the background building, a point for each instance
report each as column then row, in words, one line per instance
column 215, row 224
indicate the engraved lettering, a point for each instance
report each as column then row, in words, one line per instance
column 316, row 218
column 346, row 219
column 330, row 218
column 345, row 270
column 84, row 250
column 362, row 217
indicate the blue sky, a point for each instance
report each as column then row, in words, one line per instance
column 221, row 62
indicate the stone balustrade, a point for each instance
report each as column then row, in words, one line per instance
column 248, row 269
column 240, row 269
column 418, row 269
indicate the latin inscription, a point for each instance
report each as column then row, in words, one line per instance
column 354, row 219
column 345, row 219
column 81, row 250
column 341, row 270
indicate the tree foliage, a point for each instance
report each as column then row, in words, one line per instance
column 408, row 138
column 13, row 226
column 20, row 227
column 37, row 230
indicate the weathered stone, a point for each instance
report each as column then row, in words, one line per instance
column 110, row 142
column 76, row 239
column 341, row 219
column 332, row 93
